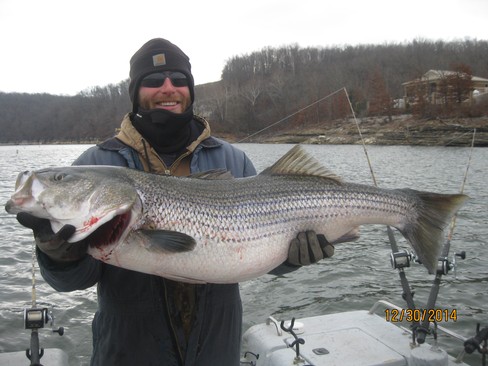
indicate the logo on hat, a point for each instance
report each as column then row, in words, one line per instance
column 159, row 60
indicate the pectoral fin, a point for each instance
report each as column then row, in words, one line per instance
column 168, row 241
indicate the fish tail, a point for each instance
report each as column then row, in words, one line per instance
column 425, row 233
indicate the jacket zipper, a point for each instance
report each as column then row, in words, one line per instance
column 167, row 171
column 175, row 164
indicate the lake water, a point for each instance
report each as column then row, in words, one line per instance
column 357, row 275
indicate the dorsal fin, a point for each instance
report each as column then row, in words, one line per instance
column 298, row 162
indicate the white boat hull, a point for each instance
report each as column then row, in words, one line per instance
column 356, row 338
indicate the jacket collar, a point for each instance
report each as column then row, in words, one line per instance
column 149, row 157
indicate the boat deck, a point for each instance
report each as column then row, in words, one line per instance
column 349, row 338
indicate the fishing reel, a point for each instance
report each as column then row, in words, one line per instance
column 478, row 342
column 36, row 318
column 444, row 265
column 401, row 259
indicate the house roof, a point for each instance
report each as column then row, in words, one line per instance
column 439, row 74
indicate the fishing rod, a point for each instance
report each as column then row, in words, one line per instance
column 35, row 318
column 399, row 259
column 444, row 265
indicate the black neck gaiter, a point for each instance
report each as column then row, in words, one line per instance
column 167, row 132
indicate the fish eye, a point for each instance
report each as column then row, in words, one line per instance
column 59, row 177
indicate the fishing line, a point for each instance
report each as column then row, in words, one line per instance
column 291, row 115
column 34, row 260
column 453, row 221
column 407, row 293
column 391, row 236
column 361, row 136
column 33, row 318
column 457, row 138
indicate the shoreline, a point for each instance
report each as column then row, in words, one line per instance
column 401, row 130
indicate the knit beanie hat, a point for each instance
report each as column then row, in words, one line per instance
column 158, row 54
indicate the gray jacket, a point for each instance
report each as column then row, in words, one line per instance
column 137, row 321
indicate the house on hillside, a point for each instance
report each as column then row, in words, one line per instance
column 438, row 85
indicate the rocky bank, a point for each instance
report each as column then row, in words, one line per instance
column 401, row 130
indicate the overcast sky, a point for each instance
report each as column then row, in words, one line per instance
column 65, row 46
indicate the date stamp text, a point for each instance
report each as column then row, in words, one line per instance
column 420, row 315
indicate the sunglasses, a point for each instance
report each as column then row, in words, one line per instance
column 157, row 79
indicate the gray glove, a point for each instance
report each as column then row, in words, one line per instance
column 53, row 245
column 308, row 248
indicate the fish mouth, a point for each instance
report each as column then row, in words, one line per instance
column 111, row 232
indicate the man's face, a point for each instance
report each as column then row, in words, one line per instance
column 165, row 90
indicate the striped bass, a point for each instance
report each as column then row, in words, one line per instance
column 210, row 229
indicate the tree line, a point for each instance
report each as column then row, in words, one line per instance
column 260, row 88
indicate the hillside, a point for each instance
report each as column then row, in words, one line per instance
column 276, row 83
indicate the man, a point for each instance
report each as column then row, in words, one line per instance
column 144, row 319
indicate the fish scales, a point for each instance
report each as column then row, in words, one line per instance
column 209, row 229
column 232, row 207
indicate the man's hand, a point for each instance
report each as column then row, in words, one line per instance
column 308, row 248
column 54, row 245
